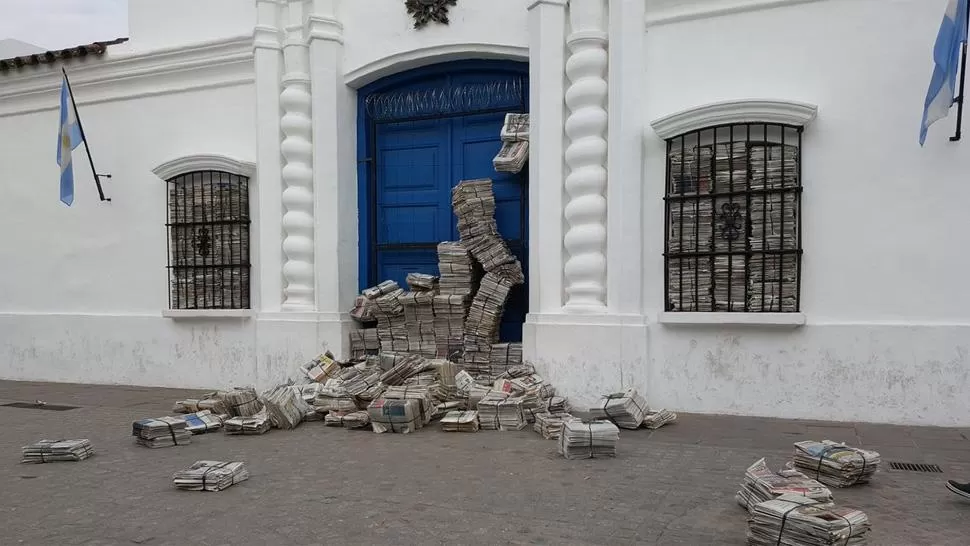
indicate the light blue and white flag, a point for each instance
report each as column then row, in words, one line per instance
column 68, row 138
column 946, row 58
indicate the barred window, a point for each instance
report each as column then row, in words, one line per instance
column 208, row 240
column 733, row 229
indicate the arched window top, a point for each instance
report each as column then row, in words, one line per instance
column 771, row 111
column 204, row 162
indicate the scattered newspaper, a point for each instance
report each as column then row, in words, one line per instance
column 49, row 451
column 793, row 520
column 656, row 419
column 579, row 440
column 835, row 464
column 161, row 432
column 210, row 476
column 761, row 484
column 624, row 409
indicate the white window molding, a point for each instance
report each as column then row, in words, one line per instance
column 774, row 111
column 205, row 162
column 673, row 318
column 208, row 313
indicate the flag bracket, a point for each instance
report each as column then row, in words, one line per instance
column 97, row 176
column 963, row 82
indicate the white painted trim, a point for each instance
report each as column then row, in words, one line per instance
column 560, row 3
column 735, row 111
column 217, row 63
column 567, row 319
column 732, row 319
column 207, row 313
column 662, row 12
column 415, row 58
column 204, row 162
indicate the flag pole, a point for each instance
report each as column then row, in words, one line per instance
column 963, row 83
column 97, row 177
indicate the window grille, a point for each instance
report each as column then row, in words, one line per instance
column 733, row 224
column 208, row 241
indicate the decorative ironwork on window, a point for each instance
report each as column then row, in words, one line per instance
column 733, row 224
column 208, row 241
column 445, row 101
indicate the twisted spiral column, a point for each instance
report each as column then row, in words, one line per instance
column 586, row 125
column 297, row 173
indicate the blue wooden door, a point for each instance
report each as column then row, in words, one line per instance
column 416, row 163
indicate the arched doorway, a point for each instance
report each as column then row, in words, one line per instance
column 420, row 132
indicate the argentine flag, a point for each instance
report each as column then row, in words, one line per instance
column 946, row 57
column 68, row 138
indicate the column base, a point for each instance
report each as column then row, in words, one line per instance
column 286, row 340
column 586, row 356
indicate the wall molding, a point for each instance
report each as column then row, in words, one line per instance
column 734, row 111
column 216, row 63
column 662, row 12
column 416, row 58
column 205, row 162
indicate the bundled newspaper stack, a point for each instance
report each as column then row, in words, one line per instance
column 48, row 451
column 421, row 394
column 422, row 282
column 503, row 356
column 656, row 419
column 242, row 402
column 624, row 409
column 515, row 144
column 402, row 416
column 835, row 464
column 487, row 405
column 363, row 310
column 555, row 404
column 307, row 392
column 498, row 411
column 321, row 368
column 363, row 342
column 391, row 326
column 210, row 476
column 794, row 520
column 419, row 321
column 203, row 421
column 334, row 397
column 459, row 272
column 256, row 424
column 406, row 365
column 460, row 421
column 761, row 484
column 362, row 381
column 347, row 419
column 449, row 324
column 161, row 432
column 549, row 425
column 579, row 440
column 483, row 321
column 286, row 410
column 212, row 401
column 474, row 204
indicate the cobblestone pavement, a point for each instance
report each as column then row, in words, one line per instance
column 318, row 485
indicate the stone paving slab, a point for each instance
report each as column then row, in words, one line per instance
column 320, row 485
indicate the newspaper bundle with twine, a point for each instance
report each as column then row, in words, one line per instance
column 210, row 476
column 515, row 144
column 795, row 520
column 579, row 440
column 49, row 451
column 623, row 409
column 161, row 432
column 347, row 419
column 203, row 421
column 242, row 402
column 835, row 464
column 761, row 484
column 549, row 425
column 251, row 425
column 460, row 421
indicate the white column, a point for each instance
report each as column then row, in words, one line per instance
column 268, row 60
column 547, row 28
column 585, row 211
column 297, row 173
column 624, row 194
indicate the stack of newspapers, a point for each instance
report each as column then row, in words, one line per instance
column 347, row 419
column 422, row 282
column 203, row 421
column 161, row 432
column 656, row 419
column 334, row 398
column 419, row 322
column 363, row 342
column 285, row 408
column 473, row 202
column 48, row 451
column 212, row 401
column 460, row 421
column 242, row 402
column 794, row 520
column 321, row 368
column 391, row 325
column 761, row 484
column 210, row 476
column 401, row 416
column 549, row 425
column 449, row 324
column 835, row 464
column 624, row 409
column 421, row 394
column 504, row 356
column 459, row 273
column 515, row 144
column 405, row 366
column 488, row 408
column 579, row 440
column 483, row 321
column 256, row 424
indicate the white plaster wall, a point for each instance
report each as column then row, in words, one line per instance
column 155, row 24
column 884, row 269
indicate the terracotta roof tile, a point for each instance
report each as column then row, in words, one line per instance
column 95, row 48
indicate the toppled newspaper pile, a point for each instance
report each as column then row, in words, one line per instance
column 515, row 144
column 255, row 424
column 48, row 451
column 835, row 464
column 549, row 425
column 761, row 484
column 656, row 419
column 210, row 476
column 794, row 520
column 623, row 409
column 203, row 421
column 285, row 408
column 580, row 440
column 347, row 419
column 321, row 368
column 161, row 432
column 460, row 421
column 242, row 401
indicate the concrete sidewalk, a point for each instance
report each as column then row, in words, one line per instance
column 319, row 485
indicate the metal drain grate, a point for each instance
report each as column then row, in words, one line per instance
column 914, row 467
column 28, row 405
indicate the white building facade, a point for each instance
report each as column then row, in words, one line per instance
column 725, row 204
